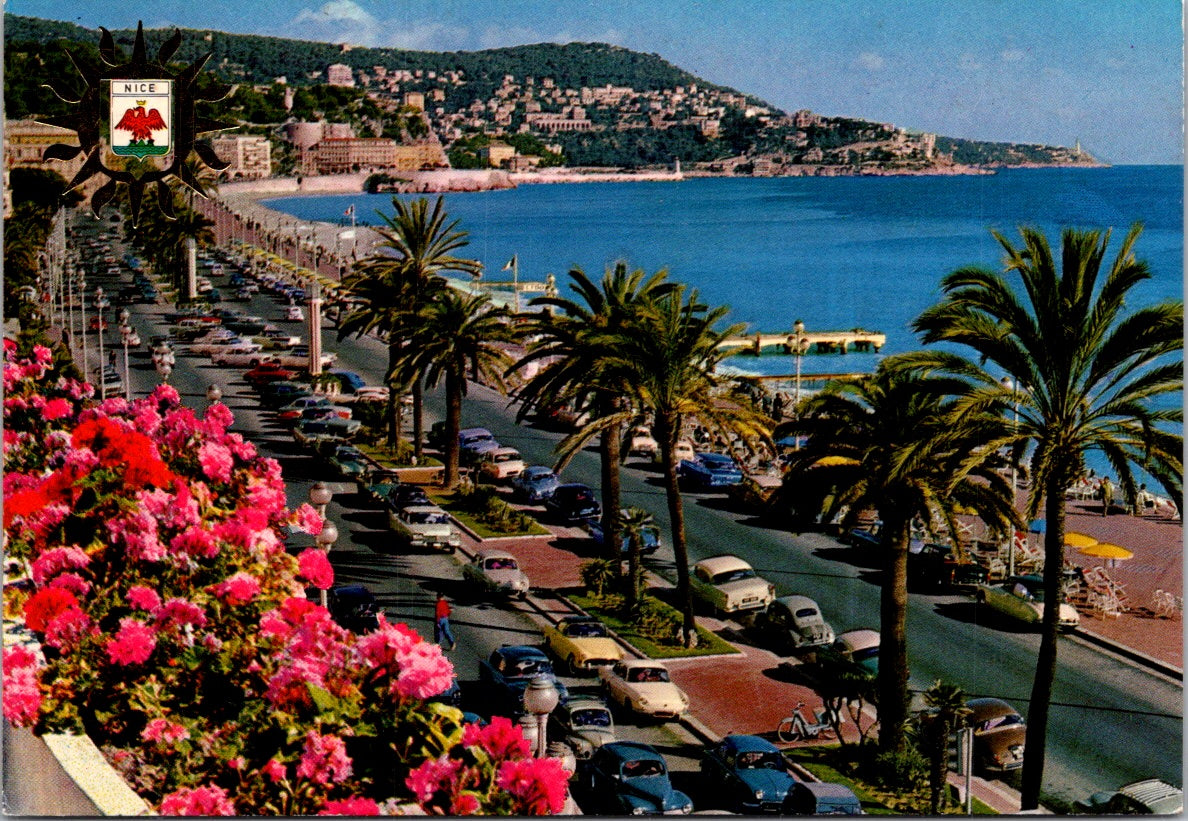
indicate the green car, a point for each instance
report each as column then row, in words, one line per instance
column 1022, row 598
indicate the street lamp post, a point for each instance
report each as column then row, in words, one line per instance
column 213, row 394
column 99, row 307
column 798, row 328
column 1010, row 385
column 326, row 538
column 125, row 334
column 540, row 699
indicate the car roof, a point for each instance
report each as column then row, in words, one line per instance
column 499, row 450
column 521, row 651
column 633, row 663
column 423, row 509
column 1162, row 798
column 630, row 750
column 580, row 620
column 474, row 432
column 824, row 789
column 984, row 708
column 723, row 564
column 750, row 744
column 533, row 471
column 586, row 703
column 493, row 553
column 860, row 639
column 796, row 602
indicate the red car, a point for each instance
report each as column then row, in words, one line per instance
column 268, row 372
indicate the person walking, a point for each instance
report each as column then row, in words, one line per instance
column 1107, row 495
column 441, row 622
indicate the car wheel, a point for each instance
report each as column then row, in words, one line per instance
column 571, row 662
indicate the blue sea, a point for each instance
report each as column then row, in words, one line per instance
column 837, row 253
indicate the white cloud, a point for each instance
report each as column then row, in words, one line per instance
column 338, row 21
column 1013, row 55
column 870, row 61
column 499, row 37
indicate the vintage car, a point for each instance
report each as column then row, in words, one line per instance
column 860, row 646
column 351, row 462
column 794, row 623
column 425, row 526
column 640, row 441
column 1147, row 797
column 729, row 585
column 585, row 724
column 508, row 672
column 649, row 544
column 535, row 484
column 394, row 495
column 643, row 686
column 630, row 778
column 709, row 470
column 683, row 451
column 939, row 566
column 573, row 502
column 498, row 464
column 749, row 773
column 497, row 571
column 353, row 606
column 999, row 733
column 583, row 643
column 268, row 371
column 1022, row 598
column 821, row 798
column 312, row 431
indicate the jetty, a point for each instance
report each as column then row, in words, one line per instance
column 799, row 341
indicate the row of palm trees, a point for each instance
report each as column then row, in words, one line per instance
column 917, row 440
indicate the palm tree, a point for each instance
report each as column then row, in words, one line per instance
column 1092, row 376
column 886, row 442
column 948, row 711
column 670, row 353
column 457, row 334
column 574, row 346
column 635, row 521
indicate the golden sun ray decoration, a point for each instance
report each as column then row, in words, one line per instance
column 97, row 104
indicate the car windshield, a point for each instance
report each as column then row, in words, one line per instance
column 806, row 612
column 647, row 674
column 500, row 564
column 1025, row 591
column 539, row 475
column 642, row 768
column 590, row 718
column 587, row 630
column 760, row 761
column 734, row 575
column 1010, row 720
column 529, row 667
column 506, row 457
column 428, row 517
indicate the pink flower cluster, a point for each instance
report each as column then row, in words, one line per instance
column 208, row 800
column 22, row 692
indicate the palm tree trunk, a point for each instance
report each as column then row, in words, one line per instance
column 1045, row 665
column 453, row 384
column 633, row 558
column 418, row 395
column 667, row 432
column 394, row 420
column 610, row 448
column 893, row 671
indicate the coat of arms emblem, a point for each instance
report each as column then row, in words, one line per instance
column 141, row 118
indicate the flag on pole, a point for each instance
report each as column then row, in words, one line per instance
column 350, row 212
column 511, row 264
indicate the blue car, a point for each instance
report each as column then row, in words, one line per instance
column 749, row 773
column 629, row 778
column 535, row 484
column 709, row 470
column 508, row 672
column 572, row 503
column 651, row 538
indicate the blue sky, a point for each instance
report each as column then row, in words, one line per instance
column 1107, row 72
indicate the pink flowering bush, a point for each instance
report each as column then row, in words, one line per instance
column 174, row 628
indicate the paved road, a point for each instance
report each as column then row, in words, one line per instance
column 1113, row 722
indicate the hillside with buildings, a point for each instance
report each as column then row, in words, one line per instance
column 310, row 109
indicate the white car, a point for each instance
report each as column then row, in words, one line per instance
column 729, row 585
column 293, row 313
column 683, row 451
column 225, row 344
column 643, row 686
column 425, row 526
column 498, row 464
column 240, row 358
column 497, row 571
column 641, row 442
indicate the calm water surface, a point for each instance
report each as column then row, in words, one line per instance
column 838, row 253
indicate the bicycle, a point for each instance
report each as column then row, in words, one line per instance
column 796, row 728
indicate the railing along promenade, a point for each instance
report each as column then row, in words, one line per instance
column 790, row 342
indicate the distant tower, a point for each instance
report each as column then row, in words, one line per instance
column 1077, row 147
column 676, row 166
column 289, row 99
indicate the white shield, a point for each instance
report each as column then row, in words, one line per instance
column 141, row 118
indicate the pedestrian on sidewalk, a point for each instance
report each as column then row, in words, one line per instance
column 1107, row 495
column 441, row 622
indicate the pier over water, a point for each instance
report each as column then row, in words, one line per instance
column 804, row 342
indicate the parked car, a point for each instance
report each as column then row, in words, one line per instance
column 583, row 643
column 425, row 526
column 235, row 358
column 293, row 313
column 1147, row 797
column 999, row 733
column 1022, row 598
column 640, row 442
column 684, row 451
column 749, row 773
column 498, row 464
column 821, row 798
column 709, row 470
column 310, row 431
column 293, row 410
column 276, row 394
column 351, row 462
column 268, row 371
column 794, row 623
column 650, row 543
column 585, row 724
column 509, row 671
column 535, row 483
column 572, row 503
column 397, row 496
column 497, row 571
column 938, row 566
column 729, row 585
column 353, row 606
column 630, row 778
column 644, row 686
column 860, row 646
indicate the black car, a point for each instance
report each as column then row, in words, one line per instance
column 400, row 496
column 353, row 606
column 509, row 671
column 573, row 503
column 936, row 566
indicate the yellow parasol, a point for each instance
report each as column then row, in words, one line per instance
column 1079, row 540
column 834, row 461
column 1105, row 550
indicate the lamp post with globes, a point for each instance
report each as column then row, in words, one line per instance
column 320, row 496
column 325, row 539
column 214, row 394
column 125, row 335
column 540, row 699
column 102, row 364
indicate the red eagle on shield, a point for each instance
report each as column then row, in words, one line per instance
column 141, row 125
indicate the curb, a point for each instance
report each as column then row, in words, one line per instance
column 1129, row 654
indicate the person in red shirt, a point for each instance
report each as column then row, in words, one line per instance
column 441, row 622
